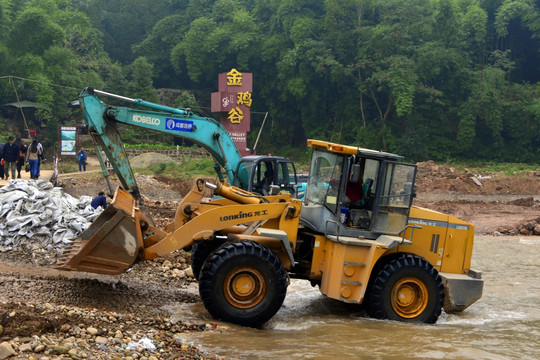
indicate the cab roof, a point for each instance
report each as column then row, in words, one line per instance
column 351, row 150
column 262, row 157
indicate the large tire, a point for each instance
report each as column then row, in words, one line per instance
column 199, row 253
column 243, row 283
column 406, row 289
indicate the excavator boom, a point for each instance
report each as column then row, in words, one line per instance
column 103, row 119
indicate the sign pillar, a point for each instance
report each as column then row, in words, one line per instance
column 233, row 102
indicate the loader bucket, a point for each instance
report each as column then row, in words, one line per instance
column 111, row 244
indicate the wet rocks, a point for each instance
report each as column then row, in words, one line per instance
column 94, row 334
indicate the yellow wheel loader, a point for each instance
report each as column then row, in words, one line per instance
column 355, row 235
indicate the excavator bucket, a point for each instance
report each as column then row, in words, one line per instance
column 111, row 244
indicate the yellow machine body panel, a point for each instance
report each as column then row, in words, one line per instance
column 443, row 240
column 344, row 265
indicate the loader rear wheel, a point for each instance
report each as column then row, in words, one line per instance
column 406, row 289
column 243, row 283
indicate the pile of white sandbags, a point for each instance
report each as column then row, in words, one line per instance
column 34, row 215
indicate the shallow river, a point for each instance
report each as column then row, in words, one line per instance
column 503, row 324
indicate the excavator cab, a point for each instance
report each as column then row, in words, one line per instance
column 357, row 192
column 266, row 175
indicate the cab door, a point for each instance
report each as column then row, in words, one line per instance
column 395, row 191
column 286, row 177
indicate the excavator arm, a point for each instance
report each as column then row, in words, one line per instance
column 102, row 120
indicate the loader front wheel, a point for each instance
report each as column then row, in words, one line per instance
column 243, row 283
column 406, row 289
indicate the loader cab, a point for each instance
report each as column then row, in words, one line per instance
column 266, row 175
column 357, row 192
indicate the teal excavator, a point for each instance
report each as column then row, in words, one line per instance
column 247, row 173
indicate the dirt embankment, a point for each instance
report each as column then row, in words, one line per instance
column 494, row 204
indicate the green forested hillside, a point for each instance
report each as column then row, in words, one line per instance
column 429, row 79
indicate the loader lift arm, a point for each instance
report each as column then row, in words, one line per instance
column 122, row 234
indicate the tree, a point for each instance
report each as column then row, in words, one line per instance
column 517, row 23
column 139, row 85
column 33, row 32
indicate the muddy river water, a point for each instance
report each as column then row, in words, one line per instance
column 503, row 324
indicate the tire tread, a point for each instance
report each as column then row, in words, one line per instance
column 376, row 306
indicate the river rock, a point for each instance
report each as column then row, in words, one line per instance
column 1, row 330
column 6, row 350
column 92, row 331
column 189, row 272
column 101, row 340
column 25, row 347
column 59, row 350
column 180, row 274
column 73, row 353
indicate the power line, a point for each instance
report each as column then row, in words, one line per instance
column 37, row 81
column 78, row 89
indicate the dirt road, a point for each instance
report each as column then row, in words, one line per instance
column 45, row 174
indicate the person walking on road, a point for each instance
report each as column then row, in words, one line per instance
column 10, row 156
column 82, row 159
column 32, row 156
column 22, row 154
column 1, row 160
column 41, row 158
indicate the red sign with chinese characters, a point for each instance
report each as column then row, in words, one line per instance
column 233, row 101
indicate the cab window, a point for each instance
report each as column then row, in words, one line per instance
column 324, row 180
column 286, row 175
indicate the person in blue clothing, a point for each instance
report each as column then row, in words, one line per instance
column 99, row 200
column 32, row 156
column 10, row 156
column 82, row 159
